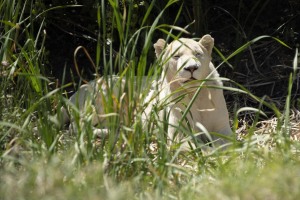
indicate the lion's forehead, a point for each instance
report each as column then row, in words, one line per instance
column 185, row 45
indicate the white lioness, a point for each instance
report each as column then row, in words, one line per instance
column 186, row 67
column 189, row 84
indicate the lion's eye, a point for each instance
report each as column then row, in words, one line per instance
column 176, row 57
column 198, row 54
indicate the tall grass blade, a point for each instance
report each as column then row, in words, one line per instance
column 245, row 46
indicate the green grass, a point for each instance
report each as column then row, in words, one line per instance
column 134, row 161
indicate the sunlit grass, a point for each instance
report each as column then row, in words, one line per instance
column 40, row 160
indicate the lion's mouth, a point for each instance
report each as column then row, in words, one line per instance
column 189, row 80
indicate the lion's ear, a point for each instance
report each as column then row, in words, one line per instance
column 208, row 42
column 159, row 46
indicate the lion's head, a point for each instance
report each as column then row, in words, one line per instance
column 185, row 60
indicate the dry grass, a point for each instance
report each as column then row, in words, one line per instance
column 269, row 126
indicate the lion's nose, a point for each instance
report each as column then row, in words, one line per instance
column 191, row 68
